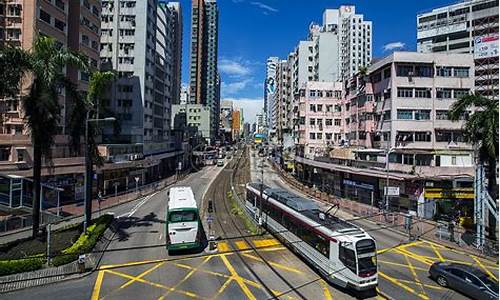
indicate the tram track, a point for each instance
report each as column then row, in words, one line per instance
column 217, row 193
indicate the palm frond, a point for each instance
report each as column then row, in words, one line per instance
column 14, row 63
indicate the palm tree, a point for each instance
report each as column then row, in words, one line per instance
column 42, row 65
column 481, row 130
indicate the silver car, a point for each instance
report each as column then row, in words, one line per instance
column 465, row 279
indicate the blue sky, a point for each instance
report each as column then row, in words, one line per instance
column 251, row 31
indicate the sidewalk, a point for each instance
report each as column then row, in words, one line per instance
column 76, row 211
column 422, row 228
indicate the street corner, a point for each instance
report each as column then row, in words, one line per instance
column 404, row 270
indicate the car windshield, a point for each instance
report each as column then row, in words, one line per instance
column 489, row 283
column 182, row 216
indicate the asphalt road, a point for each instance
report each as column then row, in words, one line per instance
column 137, row 266
column 142, row 225
column 403, row 265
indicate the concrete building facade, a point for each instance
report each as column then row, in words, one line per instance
column 204, row 76
column 466, row 27
column 321, row 121
column 139, row 41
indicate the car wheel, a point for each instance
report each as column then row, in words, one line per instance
column 442, row 281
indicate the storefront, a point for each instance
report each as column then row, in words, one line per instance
column 451, row 203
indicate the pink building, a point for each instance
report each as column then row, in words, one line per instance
column 321, row 118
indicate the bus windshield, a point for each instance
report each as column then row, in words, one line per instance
column 182, row 216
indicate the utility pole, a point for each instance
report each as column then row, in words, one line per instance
column 261, row 194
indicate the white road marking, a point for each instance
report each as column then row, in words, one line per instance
column 137, row 206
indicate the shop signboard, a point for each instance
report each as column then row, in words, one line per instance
column 452, row 194
column 486, row 46
column 391, row 191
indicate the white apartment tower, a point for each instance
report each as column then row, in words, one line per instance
column 138, row 42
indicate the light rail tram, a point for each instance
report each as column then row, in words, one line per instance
column 341, row 251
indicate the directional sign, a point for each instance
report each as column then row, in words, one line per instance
column 392, row 191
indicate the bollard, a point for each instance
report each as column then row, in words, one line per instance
column 81, row 263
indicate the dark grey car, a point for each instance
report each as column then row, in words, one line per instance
column 468, row 280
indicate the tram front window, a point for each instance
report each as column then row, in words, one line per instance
column 367, row 265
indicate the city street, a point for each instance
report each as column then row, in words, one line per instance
column 403, row 266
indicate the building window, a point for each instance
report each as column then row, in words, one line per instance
column 442, row 115
column 422, row 136
column 4, row 153
column 44, row 16
column 387, row 73
column 337, row 122
column 312, row 121
column 312, row 135
column 405, row 92
column 444, row 71
column 404, row 70
column 459, row 93
column 422, row 93
column 405, row 114
column 328, row 122
column 20, row 155
column 312, row 107
column 328, row 136
column 423, row 71
column 461, row 72
column 59, row 24
column 443, row 93
column 422, row 115
column 319, row 136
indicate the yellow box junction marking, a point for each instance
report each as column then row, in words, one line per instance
column 326, row 290
column 403, row 286
column 276, row 265
column 415, row 276
column 223, row 247
column 266, row 243
column 237, row 278
column 142, row 275
column 484, row 268
column 97, row 286
column 242, row 245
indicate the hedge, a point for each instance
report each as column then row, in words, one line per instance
column 85, row 242
column 13, row 266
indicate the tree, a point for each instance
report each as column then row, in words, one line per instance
column 42, row 65
column 481, row 130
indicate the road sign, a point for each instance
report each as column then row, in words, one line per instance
column 210, row 219
column 391, row 191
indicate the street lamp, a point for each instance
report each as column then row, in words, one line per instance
column 88, row 169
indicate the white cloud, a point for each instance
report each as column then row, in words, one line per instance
column 251, row 107
column 394, row 46
column 233, row 67
column 232, row 88
column 266, row 8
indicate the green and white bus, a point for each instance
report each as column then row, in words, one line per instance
column 183, row 221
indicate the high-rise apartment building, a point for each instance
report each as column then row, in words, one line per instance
column 176, row 26
column 140, row 42
column 204, row 76
column 469, row 26
column 269, row 93
column 73, row 26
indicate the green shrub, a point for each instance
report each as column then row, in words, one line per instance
column 85, row 242
column 8, row 267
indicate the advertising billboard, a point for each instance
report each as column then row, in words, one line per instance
column 486, row 46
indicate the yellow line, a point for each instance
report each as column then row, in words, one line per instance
column 238, row 279
column 157, row 285
column 188, row 275
column 222, row 288
column 242, row 245
column 379, row 296
column 277, row 265
column 265, row 243
column 142, row 275
column 437, row 253
column 403, row 286
column 414, row 256
column 223, row 247
column 400, row 265
column 417, row 280
column 483, row 267
column 326, row 291
column 203, row 271
column 436, row 287
column 97, row 286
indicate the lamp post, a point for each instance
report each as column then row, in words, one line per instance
column 387, row 177
column 88, row 170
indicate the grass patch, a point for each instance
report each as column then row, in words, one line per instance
column 85, row 242
column 236, row 210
